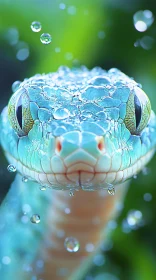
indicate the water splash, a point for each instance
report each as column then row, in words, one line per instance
column 45, row 38
column 71, row 244
column 36, row 26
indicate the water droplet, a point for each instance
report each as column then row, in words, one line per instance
column 24, row 179
column 35, row 219
column 99, row 260
column 43, row 188
column 135, row 177
column 134, row 219
column 143, row 20
column 72, row 10
column 36, row 26
column 147, row 197
column 11, row 168
column 16, row 85
column 101, row 34
column 146, row 171
column 71, row 193
column 45, row 38
column 71, row 244
column 61, row 113
column 62, row 6
column 22, row 54
column 57, row 50
column 26, row 208
column 6, row 260
column 89, row 247
column 111, row 190
column 67, row 210
column 68, row 56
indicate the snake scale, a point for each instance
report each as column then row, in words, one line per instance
column 75, row 131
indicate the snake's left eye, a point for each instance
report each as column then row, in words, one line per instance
column 138, row 111
column 19, row 113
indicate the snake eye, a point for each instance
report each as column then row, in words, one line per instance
column 19, row 113
column 137, row 112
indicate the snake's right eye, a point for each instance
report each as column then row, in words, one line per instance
column 19, row 113
column 137, row 112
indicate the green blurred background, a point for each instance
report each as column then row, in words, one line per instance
column 91, row 33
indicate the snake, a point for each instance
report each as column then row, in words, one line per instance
column 72, row 132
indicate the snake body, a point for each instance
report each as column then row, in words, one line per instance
column 73, row 130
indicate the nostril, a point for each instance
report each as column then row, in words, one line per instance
column 100, row 143
column 58, row 145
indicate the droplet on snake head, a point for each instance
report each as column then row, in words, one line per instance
column 143, row 20
column 24, row 179
column 111, row 190
column 16, row 85
column 43, row 188
column 35, row 219
column 45, row 38
column 71, row 244
column 61, row 113
column 11, row 168
column 36, row 26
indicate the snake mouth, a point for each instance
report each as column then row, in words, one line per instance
column 85, row 178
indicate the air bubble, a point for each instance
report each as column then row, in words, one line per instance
column 111, row 190
column 71, row 244
column 36, row 26
column 35, row 219
column 11, row 168
column 24, row 179
column 143, row 20
column 16, row 85
column 45, row 38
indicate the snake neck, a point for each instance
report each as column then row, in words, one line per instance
column 69, row 217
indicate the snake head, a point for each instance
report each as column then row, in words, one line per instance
column 79, row 128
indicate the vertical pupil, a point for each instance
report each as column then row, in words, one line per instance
column 137, row 110
column 19, row 112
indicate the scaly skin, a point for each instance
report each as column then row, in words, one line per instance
column 73, row 130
